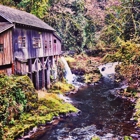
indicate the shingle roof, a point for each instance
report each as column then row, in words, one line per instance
column 22, row 17
column 4, row 27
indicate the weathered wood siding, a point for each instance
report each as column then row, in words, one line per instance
column 47, row 45
column 21, row 68
column 56, row 46
column 6, row 57
column 19, row 52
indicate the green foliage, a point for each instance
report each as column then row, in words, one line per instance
column 17, row 95
column 78, row 6
column 25, row 5
column 127, row 52
column 76, row 29
column 7, row 2
column 128, row 138
column 35, row 7
column 20, row 108
column 122, row 21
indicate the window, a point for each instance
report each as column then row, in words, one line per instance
column 45, row 43
column 36, row 42
column 54, row 40
column 21, row 41
column 1, row 48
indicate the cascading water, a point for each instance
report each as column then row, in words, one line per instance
column 71, row 78
column 68, row 75
column 108, row 69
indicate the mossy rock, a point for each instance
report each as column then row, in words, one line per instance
column 62, row 87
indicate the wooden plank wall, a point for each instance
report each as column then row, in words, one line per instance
column 6, row 57
column 48, row 47
column 56, row 46
column 20, row 68
column 19, row 52
column 47, row 44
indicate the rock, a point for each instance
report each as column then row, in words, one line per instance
column 134, row 135
column 55, row 122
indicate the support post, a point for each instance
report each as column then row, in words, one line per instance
column 57, row 57
column 37, row 76
column 13, row 68
column 43, row 73
column 48, row 74
column 52, row 61
column 30, row 69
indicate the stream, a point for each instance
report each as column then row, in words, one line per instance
column 102, row 114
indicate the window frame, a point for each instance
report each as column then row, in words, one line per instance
column 36, row 42
column 22, row 41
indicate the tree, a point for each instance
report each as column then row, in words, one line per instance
column 75, row 28
column 122, row 22
column 7, row 2
column 36, row 7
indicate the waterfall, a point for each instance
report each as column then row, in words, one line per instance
column 108, row 69
column 68, row 75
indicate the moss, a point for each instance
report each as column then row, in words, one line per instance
column 18, row 118
column 61, row 87
column 91, row 77
column 26, row 85
column 128, row 138
column 95, row 138
column 55, row 104
column 48, row 107
column 11, row 132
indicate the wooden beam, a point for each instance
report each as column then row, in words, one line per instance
column 43, row 73
column 57, row 57
column 48, row 74
column 52, row 61
column 30, row 69
column 37, row 76
column 13, row 68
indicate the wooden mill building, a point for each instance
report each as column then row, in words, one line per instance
column 28, row 46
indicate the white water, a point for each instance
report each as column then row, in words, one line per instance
column 65, row 98
column 108, row 69
column 69, row 76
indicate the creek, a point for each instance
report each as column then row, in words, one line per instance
column 102, row 114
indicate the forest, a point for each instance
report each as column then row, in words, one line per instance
column 107, row 29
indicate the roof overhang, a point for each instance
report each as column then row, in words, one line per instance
column 5, row 27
